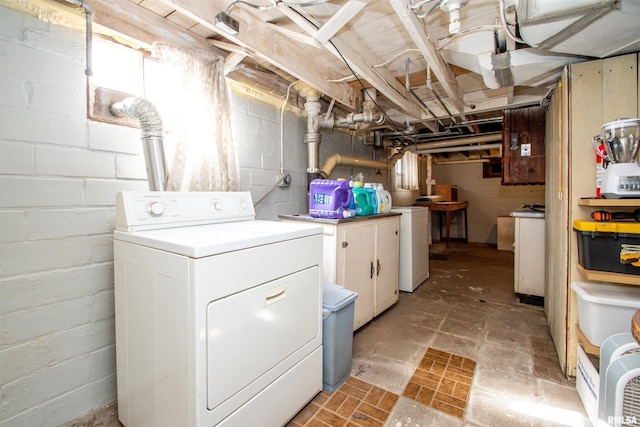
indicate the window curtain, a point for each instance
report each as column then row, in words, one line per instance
column 410, row 171
column 194, row 103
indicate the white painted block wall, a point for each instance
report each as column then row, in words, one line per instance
column 59, row 174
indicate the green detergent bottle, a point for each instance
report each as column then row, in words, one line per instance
column 362, row 199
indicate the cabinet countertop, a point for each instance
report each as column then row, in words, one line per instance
column 309, row 218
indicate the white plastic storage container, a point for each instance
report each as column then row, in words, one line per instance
column 605, row 310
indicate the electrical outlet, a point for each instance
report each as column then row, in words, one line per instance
column 227, row 24
column 525, row 150
column 285, row 180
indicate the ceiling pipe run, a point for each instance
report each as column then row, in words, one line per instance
column 463, row 143
column 461, row 148
column 152, row 142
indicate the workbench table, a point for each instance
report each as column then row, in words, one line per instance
column 448, row 208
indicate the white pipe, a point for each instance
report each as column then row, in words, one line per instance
column 456, row 142
column 444, row 143
column 460, row 148
column 337, row 159
column 464, row 162
column 312, row 137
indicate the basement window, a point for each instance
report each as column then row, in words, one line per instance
column 119, row 72
column 406, row 172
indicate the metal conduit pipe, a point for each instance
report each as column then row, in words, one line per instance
column 88, row 13
column 151, row 135
column 337, row 159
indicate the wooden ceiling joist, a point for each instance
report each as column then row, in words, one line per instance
column 257, row 36
column 349, row 49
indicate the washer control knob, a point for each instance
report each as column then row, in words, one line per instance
column 243, row 204
column 156, row 209
column 217, row 206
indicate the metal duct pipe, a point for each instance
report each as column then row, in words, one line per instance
column 151, row 135
column 337, row 159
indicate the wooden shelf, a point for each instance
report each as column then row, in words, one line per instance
column 605, row 276
column 609, row 202
column 586, row 344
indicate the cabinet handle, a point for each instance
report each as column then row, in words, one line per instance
column 378, row 267
column 372, row 270
column 345, row 244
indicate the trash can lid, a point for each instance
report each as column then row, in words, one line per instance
column 335, row 297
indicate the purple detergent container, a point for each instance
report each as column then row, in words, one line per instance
column 329, row 198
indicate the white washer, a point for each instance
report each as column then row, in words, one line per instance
column 529, row 272
column 218, row 315
column 414, row 246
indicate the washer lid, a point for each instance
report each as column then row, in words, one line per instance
column 212, row 239
column 410, row 209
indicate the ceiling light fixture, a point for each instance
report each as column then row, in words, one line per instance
column 453, row 8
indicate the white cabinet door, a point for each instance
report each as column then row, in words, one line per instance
column 356, row 267
column 529, row 262
column 387, row 262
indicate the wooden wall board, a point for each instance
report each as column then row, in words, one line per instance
column 556, row 207
column 599, row 91
column 526, row 125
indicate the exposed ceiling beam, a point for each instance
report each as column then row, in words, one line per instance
column 272, row 47
column 232, row 61
column 338, row 20
column 357, row 56
column 415, row 28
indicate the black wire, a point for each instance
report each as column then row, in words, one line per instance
column 398, row 125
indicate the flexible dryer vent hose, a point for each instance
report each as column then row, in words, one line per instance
column 152, row 142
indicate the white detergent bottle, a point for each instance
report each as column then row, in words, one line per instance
column 384, row 199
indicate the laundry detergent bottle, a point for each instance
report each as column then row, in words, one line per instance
column 373, row 197
column 362, row 199
column 329, row 198
column 384, row 199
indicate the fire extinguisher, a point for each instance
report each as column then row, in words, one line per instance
column 601, row 164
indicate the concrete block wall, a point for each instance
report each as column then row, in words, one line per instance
column 58, row 177
column 59, row 174
column 487, row 199
column 257, row 131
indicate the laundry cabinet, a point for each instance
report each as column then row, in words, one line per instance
column 363, row 255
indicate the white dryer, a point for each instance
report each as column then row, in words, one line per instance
column 414, row 246
column 218, row 315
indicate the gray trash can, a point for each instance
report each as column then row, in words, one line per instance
column 337, row 335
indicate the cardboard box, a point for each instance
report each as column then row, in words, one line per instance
column 588, row 385
column 506, row 229
column 448, row 192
